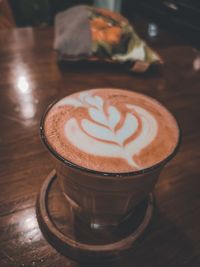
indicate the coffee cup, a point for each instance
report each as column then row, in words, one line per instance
column 109, row 147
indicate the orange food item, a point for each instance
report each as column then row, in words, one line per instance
column 103, row 31
column 97, row 35
column 113, row 34
column 99, row 23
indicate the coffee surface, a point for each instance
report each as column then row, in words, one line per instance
column 111, row 130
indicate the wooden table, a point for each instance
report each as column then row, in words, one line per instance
column 30, row 79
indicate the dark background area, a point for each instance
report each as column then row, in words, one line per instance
column 40, row 12
column 180, row 16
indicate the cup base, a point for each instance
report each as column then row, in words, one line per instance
column 73, row 239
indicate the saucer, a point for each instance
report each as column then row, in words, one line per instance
column 72, row 238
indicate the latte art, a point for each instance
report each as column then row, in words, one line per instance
column 99, row 128
column 101, row 136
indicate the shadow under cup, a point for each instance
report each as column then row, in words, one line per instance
column 100, row 199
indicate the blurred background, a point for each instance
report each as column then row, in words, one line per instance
column 182, row 16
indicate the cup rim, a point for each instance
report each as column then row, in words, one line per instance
column 111, row 175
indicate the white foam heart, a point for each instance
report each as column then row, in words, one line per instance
column 93, row 136
column 113, row 117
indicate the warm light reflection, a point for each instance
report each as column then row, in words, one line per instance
column 23, row 84
column 27, row 225
column 28, row 110
column 196, row 64
column 152, row 30
column 26, row 102
column 29, row 222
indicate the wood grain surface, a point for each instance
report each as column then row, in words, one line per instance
column 30, row 79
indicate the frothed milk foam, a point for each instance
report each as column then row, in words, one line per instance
column 111, row 130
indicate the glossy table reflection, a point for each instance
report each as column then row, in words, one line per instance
column 30, row 80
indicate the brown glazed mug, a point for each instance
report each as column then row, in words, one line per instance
column 103, row 199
